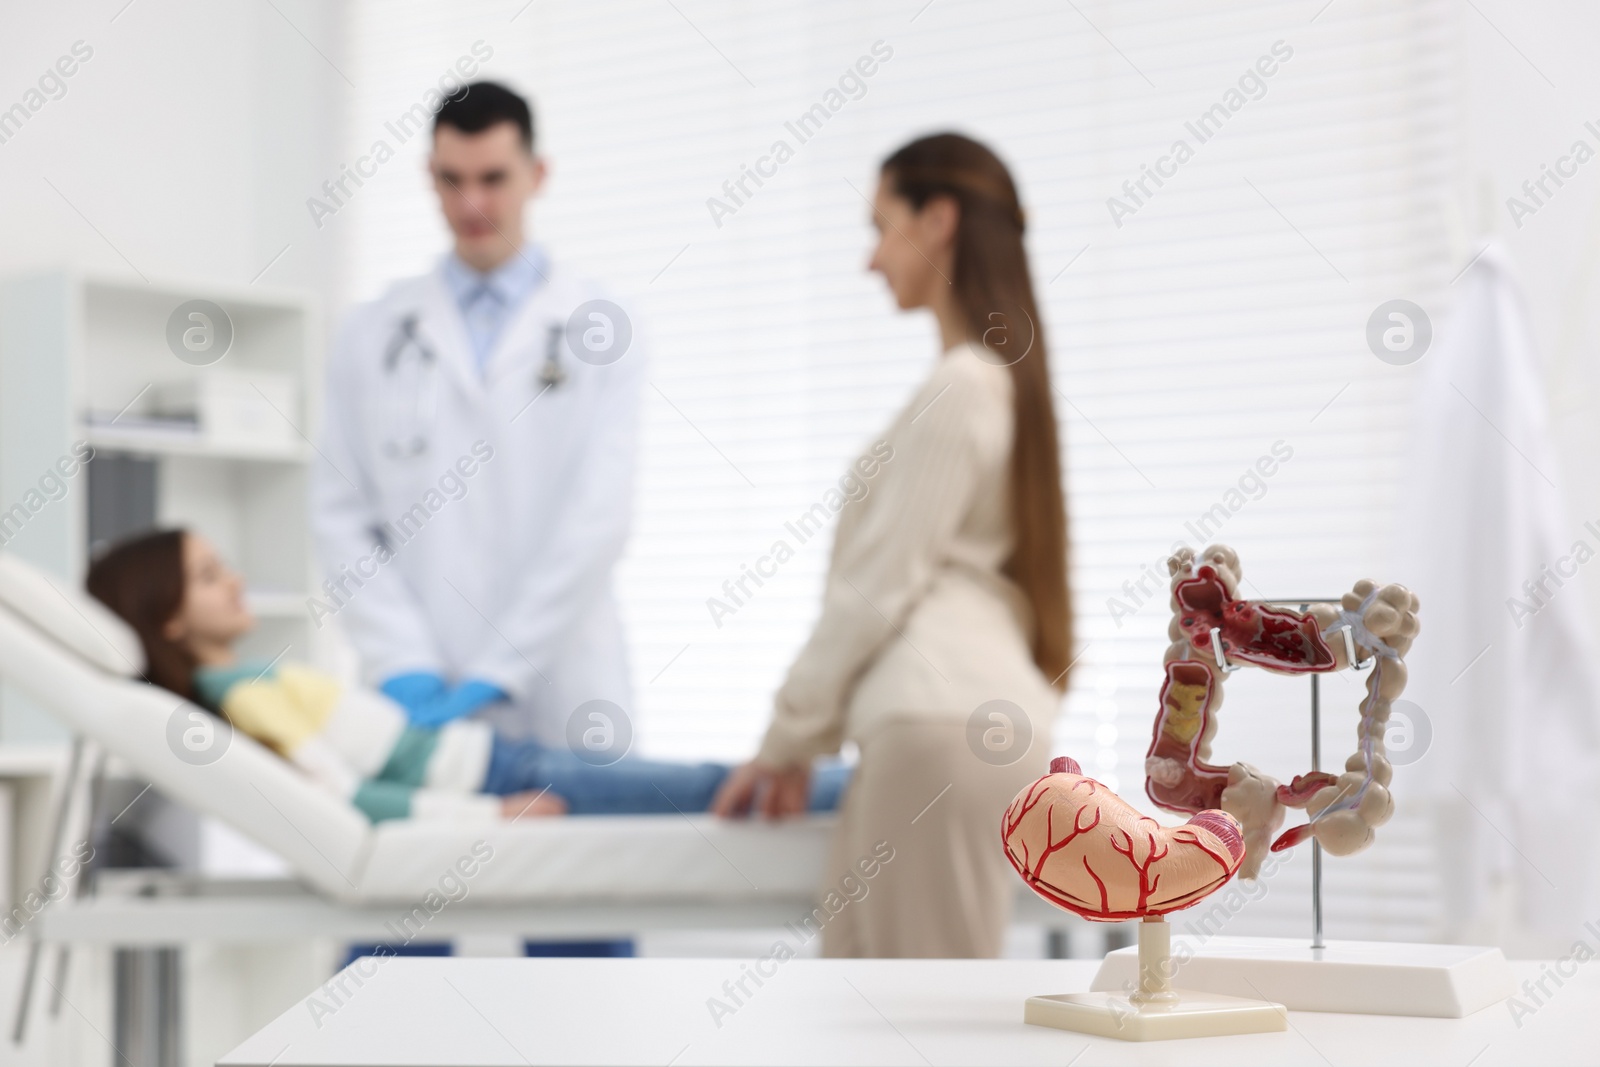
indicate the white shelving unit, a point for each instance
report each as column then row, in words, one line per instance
column 83, row 358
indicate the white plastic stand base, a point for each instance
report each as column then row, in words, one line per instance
column 1149, row 1009
column 1361, row 977
column 1191, row 1015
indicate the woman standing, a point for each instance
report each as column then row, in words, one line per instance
column 945, row 634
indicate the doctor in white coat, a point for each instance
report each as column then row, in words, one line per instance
column 475, row 475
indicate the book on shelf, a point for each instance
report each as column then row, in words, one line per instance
column 175, row 425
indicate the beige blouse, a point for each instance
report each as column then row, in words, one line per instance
column 917, row 618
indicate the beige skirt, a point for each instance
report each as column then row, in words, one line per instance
column 917, row 867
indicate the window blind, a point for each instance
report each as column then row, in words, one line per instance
column 1199, row 325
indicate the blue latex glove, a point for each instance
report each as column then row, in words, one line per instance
column 414, row 689
column 464, row 699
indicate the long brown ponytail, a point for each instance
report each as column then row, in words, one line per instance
column 994, row 288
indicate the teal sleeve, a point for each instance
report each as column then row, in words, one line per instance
column 408, row 760
column 379, row 800
column 211, row 684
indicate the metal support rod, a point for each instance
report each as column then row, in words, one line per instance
column 1316, row 723
column 1316, row 765
column 1217, row 654
column 96, row 784
column 1350, row 652
column 58, row 845
column 1316, row 752
column 1316, row 846
column 1316, row 895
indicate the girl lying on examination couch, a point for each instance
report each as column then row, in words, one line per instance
column 188, row 609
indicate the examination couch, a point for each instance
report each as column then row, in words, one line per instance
column 71, row 655
column 573, row 878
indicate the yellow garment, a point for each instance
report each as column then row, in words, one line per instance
column 282, row 710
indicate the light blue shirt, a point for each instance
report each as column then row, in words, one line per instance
column 487, row 301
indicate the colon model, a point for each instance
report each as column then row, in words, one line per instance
column 1345, row 809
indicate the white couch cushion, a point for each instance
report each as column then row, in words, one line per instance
column 600, row 859
column 70, row 616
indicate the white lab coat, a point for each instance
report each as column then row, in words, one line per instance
column 509, row 578
column 1513, row 772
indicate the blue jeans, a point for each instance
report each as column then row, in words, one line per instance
column 629, row 786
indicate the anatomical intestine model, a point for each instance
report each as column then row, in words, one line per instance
column 1214, row 632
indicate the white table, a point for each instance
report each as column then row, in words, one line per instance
column 654, row 1011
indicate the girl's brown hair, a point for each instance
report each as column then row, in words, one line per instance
column 142, row 580
column 993, row 287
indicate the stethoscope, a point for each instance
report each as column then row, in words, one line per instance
column 552, row 374
column 410, row 366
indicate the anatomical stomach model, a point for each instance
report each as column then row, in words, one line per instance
column 1085, row 849
column 1213, row 632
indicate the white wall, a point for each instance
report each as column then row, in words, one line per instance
column 189, row 139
